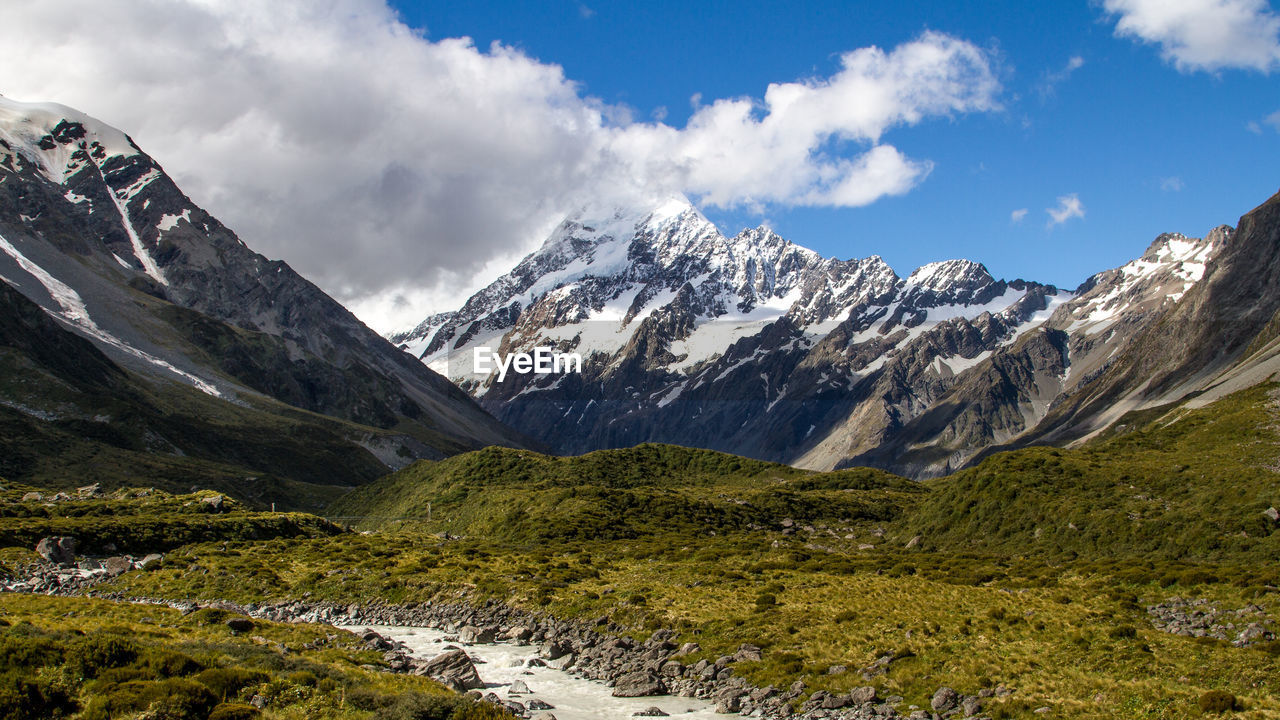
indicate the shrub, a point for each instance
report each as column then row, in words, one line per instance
column 23, row 698
column 415, row 706
column 167, row 663
column 234, row 711
column 226, row 682
column 1218, row 701
column 1123, row 631
column 172, row 699
column 91, row 656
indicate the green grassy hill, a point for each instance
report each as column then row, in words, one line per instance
column 1191, row 485
column 1186, row 486
column 141, row 521
column 650, row 489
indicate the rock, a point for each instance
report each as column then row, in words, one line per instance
column 1272, row 514
column 944, row 700
column 971, row 706
column 688, row 648
column 837, row 670
column 57, row 549
column 473, row 635
column 554, row 649
column 454, row 669
column 536, row 704
column 258, row 702
column 913, row 542
column 32, row 497
column 862, row 695
column 240, row 625
column 747, row 653
column 516, row 708
column 834, row 702
column 214, row 502
column 652, row 711
column 729, row 700
column 518, row 687
column 149, row 560
column 639, row 684
column 88, row 490
column 543, row 716
column 118, row 565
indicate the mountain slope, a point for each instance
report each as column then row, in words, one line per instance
column 94, row 231
column 756, row 346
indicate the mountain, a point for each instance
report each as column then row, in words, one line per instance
column 757, row 346
column 196, row 336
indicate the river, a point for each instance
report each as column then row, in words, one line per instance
column 573, row 698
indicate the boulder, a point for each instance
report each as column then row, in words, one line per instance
column 688, row 648
column 652, row 711
column 118, row 565
column 89, row 490
column 554, row 649
column 862, row 695
column 543, row 716
column 729, row 700
column 32, row 497
column 57, row 549
column 944, row 699
column 472, row 635
column 454, row 669
column 518, row 687
column 971, row 706
column 747, row 653
column 1272, row 514
column 639, row 684
column 149, row 560
column 214, row 502
column 536, row 704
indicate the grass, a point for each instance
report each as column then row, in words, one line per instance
column 94, row 659
column 143, row 521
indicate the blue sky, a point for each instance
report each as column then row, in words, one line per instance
column 402, row 167
column 1145, row 147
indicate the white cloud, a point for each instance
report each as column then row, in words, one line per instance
column 1016, row 216
column 1171, row 184
column 1069, row 206
column 1204, row 34
column 384, row 164
column 1051, row 80
column 1273, row 120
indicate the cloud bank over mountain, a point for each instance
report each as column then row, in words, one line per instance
column 393, row 167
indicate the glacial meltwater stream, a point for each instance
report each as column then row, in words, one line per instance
column 572, row 698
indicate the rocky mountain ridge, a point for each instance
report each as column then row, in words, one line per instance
column 757, row 346
column 97, row 234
